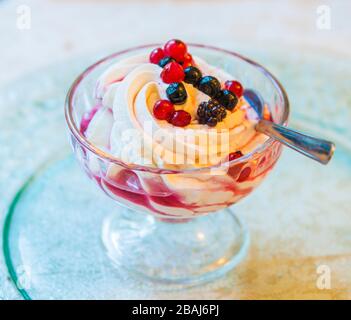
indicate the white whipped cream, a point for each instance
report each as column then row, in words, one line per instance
column 138, row 137
column 126, row 128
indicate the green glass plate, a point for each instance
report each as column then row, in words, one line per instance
column 51, row 237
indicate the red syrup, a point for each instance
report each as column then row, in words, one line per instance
column 116, row 80
column 87, row 117
column 135, row 198
column 174, row 200
column 122, row 189
column 126, row 183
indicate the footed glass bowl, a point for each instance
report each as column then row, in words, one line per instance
column 166, row 227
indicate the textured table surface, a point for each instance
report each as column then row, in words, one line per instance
column 37, row 65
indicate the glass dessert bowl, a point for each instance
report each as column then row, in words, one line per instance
column 159, row 161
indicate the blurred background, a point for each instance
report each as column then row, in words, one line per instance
column 296, row 226
column 58, row 29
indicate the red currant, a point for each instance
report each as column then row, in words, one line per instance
column 235, row 155
column 176, row 49
column 156, row 55
column 235, row 87
column 172, row 72
column 187, row 60
column 244, row 175
column 180, row 118
column 163, row 109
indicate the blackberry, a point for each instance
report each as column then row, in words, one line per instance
column 227, row 99
column 176, row 93
column 201, row 110
column 209, row 85
column 219, row 112
column 162, row 63
column 212, row 122
column 211, row 113
column 192, row 75
column 202, row 120
column 216, row 110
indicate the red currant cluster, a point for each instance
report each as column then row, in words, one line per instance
column 173, row 58
column 174, row 50
column 178, row 66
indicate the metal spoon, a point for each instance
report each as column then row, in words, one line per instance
column 317, row 149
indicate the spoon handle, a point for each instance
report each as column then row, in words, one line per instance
column 314, row 148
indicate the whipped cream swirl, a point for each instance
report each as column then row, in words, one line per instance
column 125, row 124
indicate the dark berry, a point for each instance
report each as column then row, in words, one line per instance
column 210, row 113
column 172, row 72
column 192, row 75
column 219, row 112
column 222, row 115
column 235, row 87
column 163, row 109
column 216, row 110
column 164, row 61
column 212, row 104
column 234, row 155
column 209, row 85
column 227, row 99
column 202, row 110
column 212, row 122
column 176, row 49
column 156, row 55
column 180, row 118
column 176, row 93
column 202, row 120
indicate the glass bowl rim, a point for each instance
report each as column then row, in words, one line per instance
column 107, row 156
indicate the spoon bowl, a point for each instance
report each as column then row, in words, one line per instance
column 315, row 148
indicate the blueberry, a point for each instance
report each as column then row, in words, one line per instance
column 227, row 99
column 192, row 75
column 162, row 63
column 176, row 93
column 209, row 85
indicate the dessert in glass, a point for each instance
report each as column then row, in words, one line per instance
column 166, row 132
